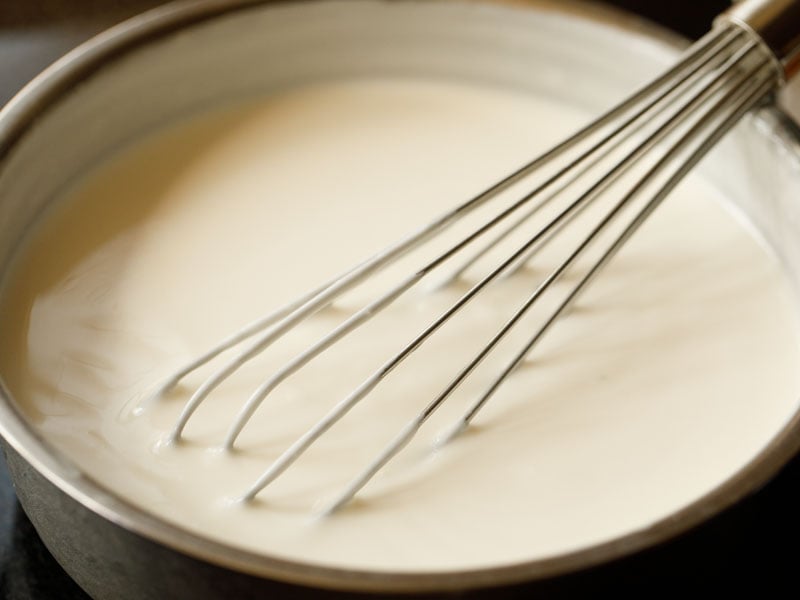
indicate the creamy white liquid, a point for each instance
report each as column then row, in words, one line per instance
column 670, row 374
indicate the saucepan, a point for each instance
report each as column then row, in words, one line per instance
column 186, row 58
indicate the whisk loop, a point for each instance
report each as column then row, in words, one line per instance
column 672, row 122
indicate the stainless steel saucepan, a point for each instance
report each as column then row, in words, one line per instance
column 187, row 58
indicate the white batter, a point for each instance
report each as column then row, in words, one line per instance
column 671, row 374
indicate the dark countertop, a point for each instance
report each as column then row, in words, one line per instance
column 749, row 545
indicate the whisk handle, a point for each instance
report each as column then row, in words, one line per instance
column 776, row 22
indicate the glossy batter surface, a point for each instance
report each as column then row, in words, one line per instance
column 670, row 374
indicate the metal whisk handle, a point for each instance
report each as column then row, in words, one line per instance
column 776, row 22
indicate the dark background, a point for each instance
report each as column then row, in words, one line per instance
column 752, row 548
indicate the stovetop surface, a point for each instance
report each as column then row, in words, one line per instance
column 752, row 544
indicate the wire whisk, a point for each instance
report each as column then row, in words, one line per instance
column 639, row 150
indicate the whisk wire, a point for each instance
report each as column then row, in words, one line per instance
column 742, row 100
column 384, row 301
column 305, row 441
column 714, row 55
column 285, row 318
column 756, row 92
